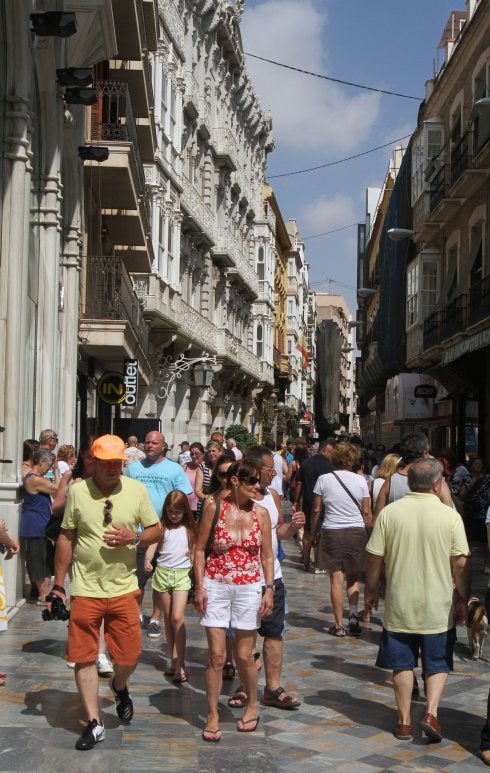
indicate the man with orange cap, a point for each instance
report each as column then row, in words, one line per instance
column 106, row 517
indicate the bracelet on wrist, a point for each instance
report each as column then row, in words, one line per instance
column 59, row 588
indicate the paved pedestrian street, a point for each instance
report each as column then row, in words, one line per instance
column 345, row 722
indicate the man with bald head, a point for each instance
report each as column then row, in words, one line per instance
column 132, row 452
column 160, row 476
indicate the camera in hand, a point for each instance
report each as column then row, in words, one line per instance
column 58, row 609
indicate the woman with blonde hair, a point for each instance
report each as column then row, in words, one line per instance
column 388, row 466
column 345, row 496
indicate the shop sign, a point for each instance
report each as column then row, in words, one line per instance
column 130, row 383
column 425, row 390
column 111, row 389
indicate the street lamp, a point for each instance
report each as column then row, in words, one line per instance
column 398, row 234
column 365, row 292
column 172, row 370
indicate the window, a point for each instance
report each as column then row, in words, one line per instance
column 260, row 341
column 422, row 284
column 163, row 106
column 261, row 264
column 482, row 120
column 173, row 119
column 427, row 156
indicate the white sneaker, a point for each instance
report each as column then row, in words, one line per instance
column 104, row 666
column 69, row 664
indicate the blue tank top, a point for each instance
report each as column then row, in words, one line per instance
column 36, row 512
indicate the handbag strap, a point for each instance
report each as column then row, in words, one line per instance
column 209, row 541
column 347, row 490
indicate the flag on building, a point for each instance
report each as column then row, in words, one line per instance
column 302, row 347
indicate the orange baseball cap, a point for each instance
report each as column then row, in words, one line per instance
column 109, row 447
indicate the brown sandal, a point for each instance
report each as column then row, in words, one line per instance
column 238, row 700
column 272, row 698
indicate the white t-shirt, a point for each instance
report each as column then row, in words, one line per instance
column 175, row 549
column 271, row 507
column 277, row 480
column 340, row 511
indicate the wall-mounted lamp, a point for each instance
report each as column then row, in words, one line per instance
column 75, row 76
column 54, row 24
column 81, row 96
column 365, row 292
column 481, row 107
column 171, row 370
column 93, row 153
column 398, row 234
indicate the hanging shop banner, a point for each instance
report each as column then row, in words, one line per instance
column 111, row 389
column 131, row 383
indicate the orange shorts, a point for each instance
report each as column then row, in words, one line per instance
column 122, row 629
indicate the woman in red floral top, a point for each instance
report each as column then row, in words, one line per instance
column 228, row 587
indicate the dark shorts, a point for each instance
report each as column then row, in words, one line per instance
column 342, row 550
column 273, row 626
column 35, row 551
column 400, row 651
column 141, row 575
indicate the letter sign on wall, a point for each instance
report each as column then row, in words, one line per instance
column 111, row 389
column 425, row 390
column 131, row 383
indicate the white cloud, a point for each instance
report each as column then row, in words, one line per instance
column 307, row 112
column 326, row 214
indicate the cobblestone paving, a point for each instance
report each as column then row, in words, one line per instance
column 345, row 722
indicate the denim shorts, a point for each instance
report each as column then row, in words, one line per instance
column 273, row 626
column 400, row 651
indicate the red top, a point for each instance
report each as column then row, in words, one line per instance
column 233, row 562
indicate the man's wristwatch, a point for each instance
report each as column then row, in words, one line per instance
column 272, row 587
column 137, row 540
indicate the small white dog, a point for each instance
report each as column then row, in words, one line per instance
column 477, row 626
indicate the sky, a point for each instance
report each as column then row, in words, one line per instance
column 386, row 44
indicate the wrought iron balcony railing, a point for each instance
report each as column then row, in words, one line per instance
column 112, row 120
column 110, row 295
column 479, row 304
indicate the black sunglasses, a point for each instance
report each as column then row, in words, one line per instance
column 107, row 512
column 252, row 480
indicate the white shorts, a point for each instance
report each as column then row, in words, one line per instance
column 232, row 605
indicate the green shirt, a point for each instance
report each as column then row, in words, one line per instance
column 417, row 536
column 99, row 570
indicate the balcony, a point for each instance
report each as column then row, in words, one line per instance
column 225, row 148
column 136, row 24
column 137, row 76
column 118, row 184
column 191, row 96
column 112, row 326
column 232, row 352
column 173, row 23
column 292, row 285
column 479, row 305
column 432, row 335
column 198, row 216
column 454, row 317
column 465, row 179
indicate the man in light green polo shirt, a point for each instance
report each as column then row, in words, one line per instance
column 99, row 535
column 423, row 545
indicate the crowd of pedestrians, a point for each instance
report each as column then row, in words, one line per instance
column 209, row 526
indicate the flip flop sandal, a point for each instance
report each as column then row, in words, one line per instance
column 238, row 700
column 242, row 725
column 229, row 670
column 272, row 698
column 337, row 630
column 212, row 736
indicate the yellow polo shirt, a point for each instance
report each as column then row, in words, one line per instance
column 99, row 570
column 417, row 536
